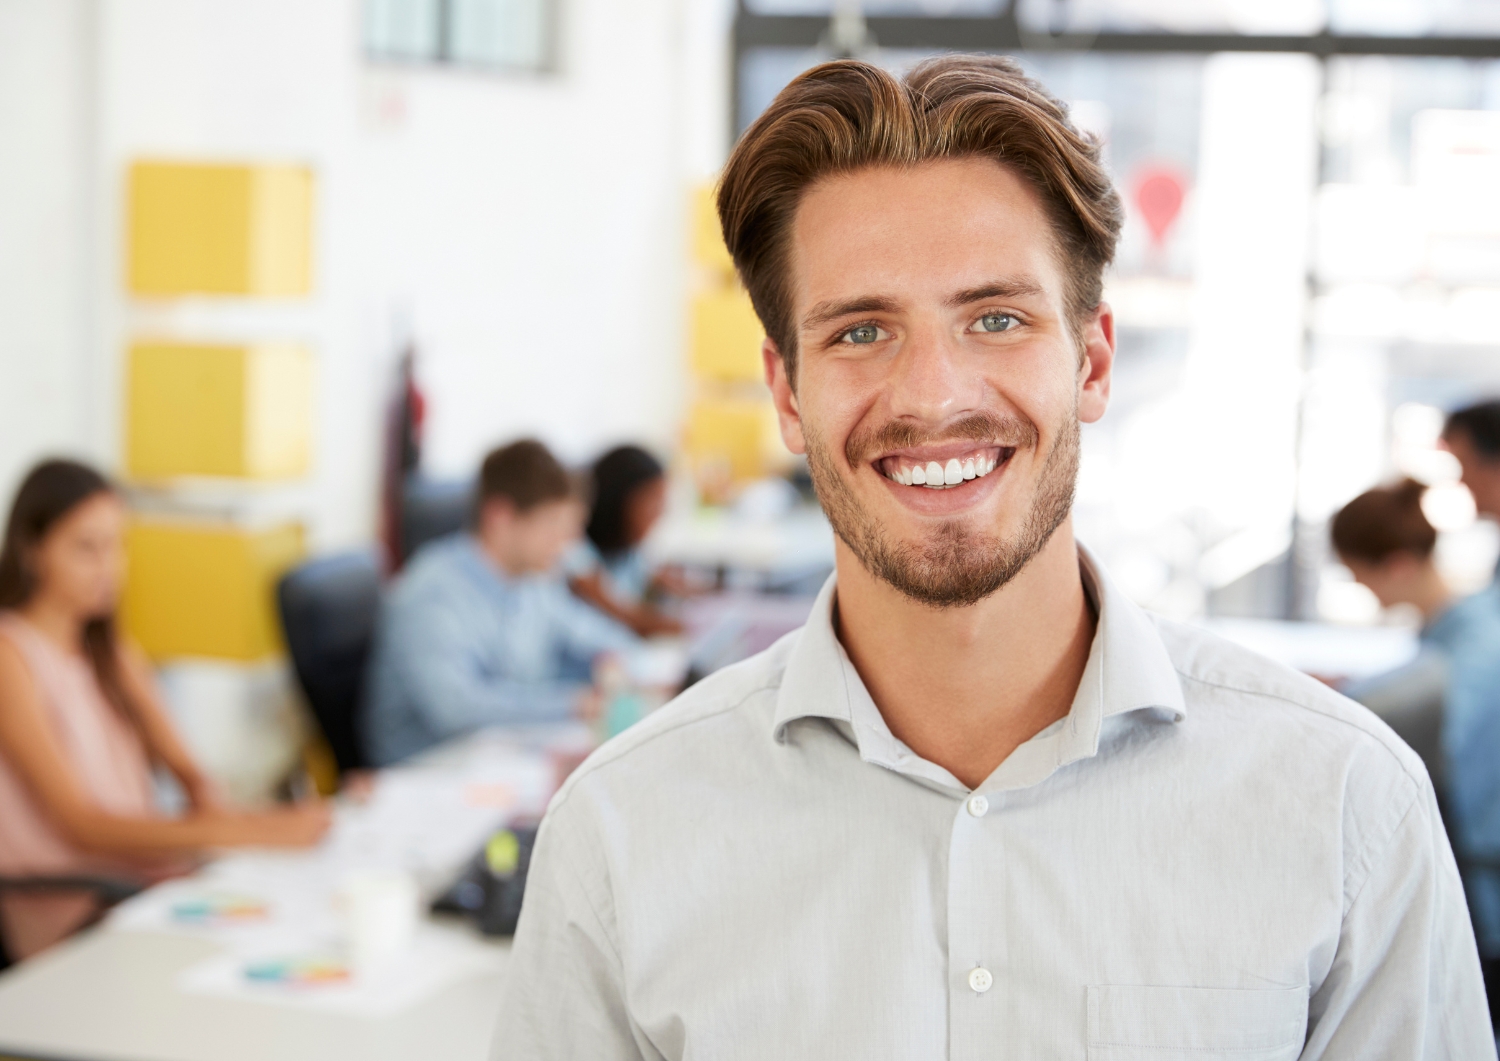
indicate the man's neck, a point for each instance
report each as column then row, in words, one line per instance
column 965, row 687
column 1431, row 595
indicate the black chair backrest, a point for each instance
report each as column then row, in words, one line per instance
column 328, row 610
column 432, row 508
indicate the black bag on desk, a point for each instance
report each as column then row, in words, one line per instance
column 490, row 889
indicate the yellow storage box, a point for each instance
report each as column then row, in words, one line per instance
column 214, row 229
column 198, row 409
column 740, row 435
column 207, row 589
column 727, row 337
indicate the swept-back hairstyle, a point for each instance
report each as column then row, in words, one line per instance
column 1382, row 522
column 49, row 492
column 847, row 115
column 617, row 476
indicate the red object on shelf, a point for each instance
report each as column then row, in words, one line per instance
column 1158, row 190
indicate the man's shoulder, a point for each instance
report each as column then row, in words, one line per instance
column 436, row 569
column 726, row 712
column 1221, row 678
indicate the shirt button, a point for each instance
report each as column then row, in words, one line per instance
column 979, row 806
column 980, row 980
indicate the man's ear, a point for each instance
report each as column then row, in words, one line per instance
column 785, row 398
column 1097, row 338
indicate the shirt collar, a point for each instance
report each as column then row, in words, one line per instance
column 1128, row 670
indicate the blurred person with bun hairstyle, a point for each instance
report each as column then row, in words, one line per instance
column 1387, row 543
column 82, row 723
column 981, row 805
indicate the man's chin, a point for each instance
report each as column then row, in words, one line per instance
column 952, row 569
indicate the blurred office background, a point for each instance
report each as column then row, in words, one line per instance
column 224, row 224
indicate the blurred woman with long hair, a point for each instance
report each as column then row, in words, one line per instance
column 608, row 569
column 81, row 723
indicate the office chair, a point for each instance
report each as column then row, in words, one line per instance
column 107, row 892
column 328, row 608
column 432, row 508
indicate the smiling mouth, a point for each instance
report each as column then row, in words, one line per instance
column 943, row 474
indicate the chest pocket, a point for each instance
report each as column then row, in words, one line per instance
column 1196, row 1023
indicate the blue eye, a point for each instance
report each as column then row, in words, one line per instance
column 865, row 333
column 994, row 322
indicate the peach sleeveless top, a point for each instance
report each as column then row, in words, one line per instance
column 107, row 758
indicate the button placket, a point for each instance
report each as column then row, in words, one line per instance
column 977, row 888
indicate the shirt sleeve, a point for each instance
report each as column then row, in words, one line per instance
column 442, row 674
column 564, row 996
column 1405, row 981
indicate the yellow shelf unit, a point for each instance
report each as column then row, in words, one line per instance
column 197, row 409
column 219, row 229
column 207, row 589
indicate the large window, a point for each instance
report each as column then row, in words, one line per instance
column 1309, row 272
column 507, row 35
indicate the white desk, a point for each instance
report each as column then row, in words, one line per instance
column 112, row 996
column 118, row 992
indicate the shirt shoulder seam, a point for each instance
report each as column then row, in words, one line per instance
column 1307, row 707
column 589, row 769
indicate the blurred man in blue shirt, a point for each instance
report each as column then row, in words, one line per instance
column 481, row 630
column 1471, row 727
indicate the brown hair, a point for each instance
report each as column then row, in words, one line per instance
column 1480, row 423
column 1384, row 521
column 846, row 115
column 49, row 492
column 525, row 473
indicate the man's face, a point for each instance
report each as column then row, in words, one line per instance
column 1479, row 473
column 933, row 346
column 532, row 541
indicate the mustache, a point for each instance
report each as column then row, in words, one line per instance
column 987, row 428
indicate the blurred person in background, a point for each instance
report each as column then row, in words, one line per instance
column 1472, row 434
column 82, row 724
column 1387, row 544
column 481, row 629
column 608, row 568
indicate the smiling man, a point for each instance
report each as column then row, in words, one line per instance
column 981, row 806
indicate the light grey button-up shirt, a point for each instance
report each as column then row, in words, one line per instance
column 1210, row 856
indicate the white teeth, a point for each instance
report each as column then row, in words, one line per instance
column 936, row 476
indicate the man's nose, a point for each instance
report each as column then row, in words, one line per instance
column 931, row 379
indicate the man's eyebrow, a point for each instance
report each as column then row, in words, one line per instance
column 824, row 312
column 1013, row 287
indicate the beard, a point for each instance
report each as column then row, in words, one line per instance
column 955, row 566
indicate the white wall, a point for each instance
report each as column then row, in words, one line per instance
column 533, row 236
column 46, row 126
column 528, row 231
